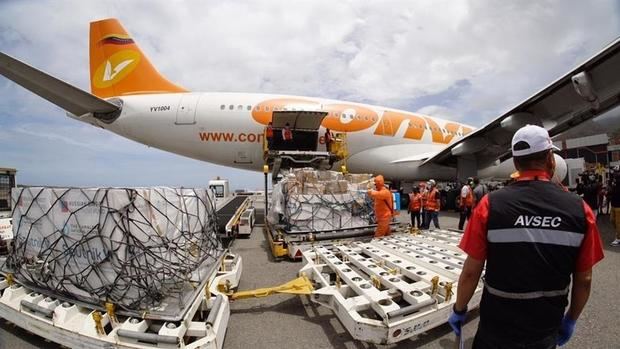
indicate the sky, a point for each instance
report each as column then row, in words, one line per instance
column 468, row 61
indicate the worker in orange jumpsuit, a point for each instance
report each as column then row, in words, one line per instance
column 384, row 209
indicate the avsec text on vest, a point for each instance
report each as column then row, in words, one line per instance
column 538, row 221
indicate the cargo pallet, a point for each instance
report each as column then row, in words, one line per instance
column 389, row 289
column 77, row 325
column 292, row 244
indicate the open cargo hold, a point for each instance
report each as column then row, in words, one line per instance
column 148, row 251
column 309, row 200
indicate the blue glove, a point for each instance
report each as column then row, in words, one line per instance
column 566, row 330
column 456, row 320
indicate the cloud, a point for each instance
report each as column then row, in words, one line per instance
column 465, row 60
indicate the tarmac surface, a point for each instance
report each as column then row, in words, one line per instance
column 294, row 322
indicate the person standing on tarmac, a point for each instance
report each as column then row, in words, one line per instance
column 590, row 193
column 479, row 191
column 466, row 202
column 415, row 205
column 424, row 194
column 432, row 205
column 534, row 236
column 383, row 206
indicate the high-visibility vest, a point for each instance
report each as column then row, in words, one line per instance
column 468, row 201
column 287, row 134
column 269, row 132
column 431, row 200
column 415, row 202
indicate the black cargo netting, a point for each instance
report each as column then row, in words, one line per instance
column 327, row 211
column 131, row 247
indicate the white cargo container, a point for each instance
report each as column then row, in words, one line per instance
column 246, row 222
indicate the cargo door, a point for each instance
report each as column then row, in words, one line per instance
column 186, row 112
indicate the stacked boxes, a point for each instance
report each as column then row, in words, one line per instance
column 327, row 201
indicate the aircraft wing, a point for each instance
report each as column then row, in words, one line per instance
column 64, row 95
column 587, row 91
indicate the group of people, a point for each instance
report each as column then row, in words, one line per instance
column 471, row 194
column 424, row 205
column 536, row 241
column 287, row 133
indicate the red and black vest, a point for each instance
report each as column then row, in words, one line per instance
column 535, row 230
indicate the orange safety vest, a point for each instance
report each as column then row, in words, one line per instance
column 269, row 132
column 469, row 199
column 415, row 202
column 431, row 201
column 288, row 135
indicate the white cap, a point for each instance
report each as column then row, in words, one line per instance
column 531, row 139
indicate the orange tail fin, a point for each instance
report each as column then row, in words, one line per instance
column 117, row 65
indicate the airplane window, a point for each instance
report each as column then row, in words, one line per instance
column 240, row 107
column 257, row 108
column 231, row 107
column 249, row 107
column 374, row 118
column 266, row 108
column 366, row 117
column 223, row 106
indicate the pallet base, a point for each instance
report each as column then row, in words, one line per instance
column 389, row 289
column 74, row 326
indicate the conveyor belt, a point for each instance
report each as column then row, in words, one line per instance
column 226, row 212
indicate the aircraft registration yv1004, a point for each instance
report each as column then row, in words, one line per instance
column 131, row 98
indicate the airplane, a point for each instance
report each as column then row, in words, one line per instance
column 131, row 98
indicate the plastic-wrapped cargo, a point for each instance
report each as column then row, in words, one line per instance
column 327, row 201
column 142, row 249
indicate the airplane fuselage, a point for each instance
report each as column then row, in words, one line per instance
column 227, row 129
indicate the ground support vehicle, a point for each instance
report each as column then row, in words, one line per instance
column 246, row 222
column 7, row 182
column 76, row 325
column 388, row 289
column 229, row 215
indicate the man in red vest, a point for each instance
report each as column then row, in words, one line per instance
column 466, row 202
column 269, row 134
column 535, row 237
column 415, row 205
column 432, row 205
column 287, row 134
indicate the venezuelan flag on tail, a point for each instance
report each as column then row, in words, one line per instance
column 117, row 65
